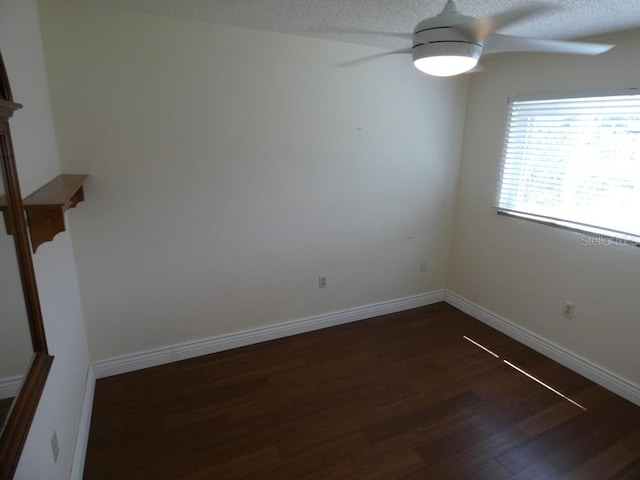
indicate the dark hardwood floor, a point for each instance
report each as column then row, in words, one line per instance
column 403, row 396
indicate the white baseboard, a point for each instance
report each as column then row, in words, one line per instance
column 80, row 453
column 9, row 386
column 596, row 373
column 164, row 355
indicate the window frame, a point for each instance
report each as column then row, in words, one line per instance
column 592, row 234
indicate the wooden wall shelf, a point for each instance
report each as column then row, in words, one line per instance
column 46, row 206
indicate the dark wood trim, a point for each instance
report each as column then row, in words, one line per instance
column 16, row 429
column 21, row 239
column 24, row 408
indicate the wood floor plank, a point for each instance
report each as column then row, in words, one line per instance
column 253, row 463
column 566, row 458
column 549, row 418
column 309, row 462
column 630, row 472
column 465, row 462
column 570, row 443
column 389, row 467
column 401, row 396
column 431, row 414
column 617, row 457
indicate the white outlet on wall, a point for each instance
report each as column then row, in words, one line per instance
column 567, row 310
column 423, row 266
column 322, row 282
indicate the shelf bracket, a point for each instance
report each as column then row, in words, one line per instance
column 46, row 206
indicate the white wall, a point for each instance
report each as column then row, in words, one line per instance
column 37, row 159
column 525, row 271
column 230, row 168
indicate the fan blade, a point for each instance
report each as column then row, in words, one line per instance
column 497, row 43
column 357, row 61
column 358, row 31
column 480, row 28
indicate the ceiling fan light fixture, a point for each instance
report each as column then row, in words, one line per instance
column 446, row 59
column 445, row 65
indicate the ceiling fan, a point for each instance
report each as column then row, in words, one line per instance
column 451, row 43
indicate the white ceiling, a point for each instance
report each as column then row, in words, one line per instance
column 570, row 19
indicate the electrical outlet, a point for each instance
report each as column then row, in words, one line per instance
column 322, row 282
column 54, row 446
column 423, row 266
column 567, row 310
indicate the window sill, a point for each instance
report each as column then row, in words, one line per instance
column 591, row 236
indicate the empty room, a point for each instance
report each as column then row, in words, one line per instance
column 319, row 240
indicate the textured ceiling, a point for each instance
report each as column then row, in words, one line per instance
column 568, row 19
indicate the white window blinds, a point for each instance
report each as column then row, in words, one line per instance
column 574, row 162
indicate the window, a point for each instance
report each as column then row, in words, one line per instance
column 574, row 162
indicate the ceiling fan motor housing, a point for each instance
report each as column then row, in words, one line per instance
column 438, row 36
column 446, row 47
column 444, row 41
